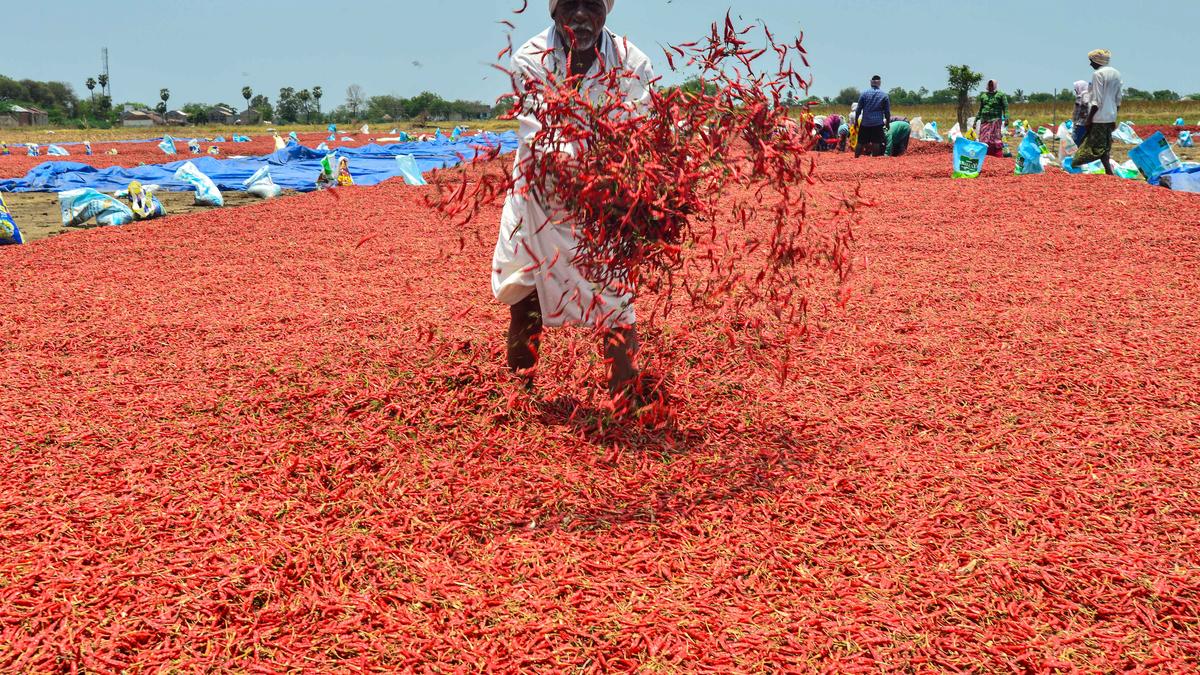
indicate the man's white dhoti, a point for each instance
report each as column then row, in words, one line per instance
column 532, row 252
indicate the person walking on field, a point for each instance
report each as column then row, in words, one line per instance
column 874, row 111
column 1104, row 98
column 993, row 110
column 1083, row 107
column 532, row 267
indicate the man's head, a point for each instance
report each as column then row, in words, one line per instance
column 876, row 82
column 1099, row 58
column 581, row 22
column 991, row 86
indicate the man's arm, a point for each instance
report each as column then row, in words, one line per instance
column 887, row 111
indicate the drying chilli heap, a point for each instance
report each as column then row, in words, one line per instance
column 660, row 195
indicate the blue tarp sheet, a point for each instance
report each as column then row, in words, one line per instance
column 292, row 168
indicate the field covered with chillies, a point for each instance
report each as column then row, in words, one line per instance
column 280, row 437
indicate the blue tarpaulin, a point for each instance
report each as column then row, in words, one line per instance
column 295, row 167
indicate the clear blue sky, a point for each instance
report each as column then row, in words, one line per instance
column 206, row 50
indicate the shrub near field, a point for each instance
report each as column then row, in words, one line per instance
column 1137, row 112
column 46, row 135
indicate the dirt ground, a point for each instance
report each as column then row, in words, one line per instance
column 37, row 213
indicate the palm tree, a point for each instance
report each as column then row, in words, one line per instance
column 303, row 96
column 103, row 80
column 91, row 86
column 317, row 93
column 247, row 93
column 165, row 95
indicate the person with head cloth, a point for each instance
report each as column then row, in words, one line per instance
column 993, row 111
column 1104, row 97
column 532, row 266
column 1083, row 107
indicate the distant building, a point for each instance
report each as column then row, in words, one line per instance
column 222, row 114
column 23, row 116
column 177, row 118
column 249, row 117
column 140, row 118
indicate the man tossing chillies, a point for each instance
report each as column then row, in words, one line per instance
column 534, row 269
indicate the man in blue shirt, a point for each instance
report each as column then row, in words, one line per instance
column 874, row 114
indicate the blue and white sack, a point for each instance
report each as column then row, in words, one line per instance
column 10, row 234
column 260, row 184
column 1126, row 134
column 207, row 193
column 409, row 169
column 1029, row 155
column 79, row 206
column 1095, row 167
column 32, row 150
column 1185, row 139
column 1155, row 157
column 57, row 151
column 167, row 145
column 968, row 158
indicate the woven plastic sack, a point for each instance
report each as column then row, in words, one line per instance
column 1178, row 121
column 1029, row 155
column 1187, row 180
column 79, row 206
column 194, row 146
column 930, row 133
column 57, row 151
column 968, row 158
column 1126, row 134
column 260, row 184
column 207, row 193
column 142, row 201
column 167, row 145
column 1095, row 167
column 1155, row 157
column 1185, row 139
column 1127, row 169
column 10, row 234
column 33, row 150
column 409, row 170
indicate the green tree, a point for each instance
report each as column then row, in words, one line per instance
column 247, row 93
column 262, row 105
column 1018, row 96
column 317, row 93
column 847, row 96
column 102, row 79
column 91, row 87
column 1166, row 95
column 304, row 98
column 165, row 95
column 286, row 106
column 196, row 112
column 963, row 81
